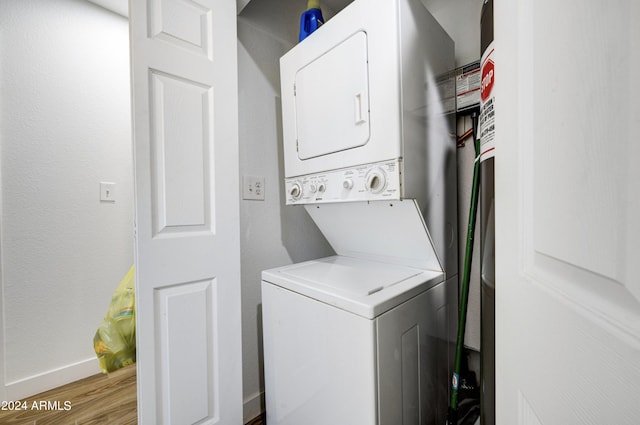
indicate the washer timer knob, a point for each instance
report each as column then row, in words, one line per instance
column 376, row 180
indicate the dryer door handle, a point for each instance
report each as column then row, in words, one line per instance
column 359, row 108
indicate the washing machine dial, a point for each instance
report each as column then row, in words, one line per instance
column 376, row 180
column 347, row 184
column 295, row 191
column 313, row 188
column 321, row 187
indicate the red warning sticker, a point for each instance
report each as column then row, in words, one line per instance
column 487, row 80
column 487, row 105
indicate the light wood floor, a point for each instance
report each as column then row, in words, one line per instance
column 100, row 399
column 258, row 421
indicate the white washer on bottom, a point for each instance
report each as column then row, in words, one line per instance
column 350, row 341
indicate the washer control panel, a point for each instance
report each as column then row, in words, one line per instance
column 371, row 182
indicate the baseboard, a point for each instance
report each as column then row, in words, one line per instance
column 253, row 406
column 37, row 384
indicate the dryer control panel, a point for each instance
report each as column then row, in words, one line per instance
column 370, row 182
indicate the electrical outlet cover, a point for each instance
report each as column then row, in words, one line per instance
column 253, row 188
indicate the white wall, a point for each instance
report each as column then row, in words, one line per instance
column 272, row 234
column 64, row 127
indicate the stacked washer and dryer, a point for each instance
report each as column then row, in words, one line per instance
column 366, row 337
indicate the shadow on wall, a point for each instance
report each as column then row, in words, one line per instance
column 260, row 46
column 299, row 235
column 273, row 234
column 295, row 217
column 266, row 34
column 260, row 345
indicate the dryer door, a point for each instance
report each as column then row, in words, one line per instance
column 332, row 100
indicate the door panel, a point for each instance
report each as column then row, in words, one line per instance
column 180, row 148
column 581, row 137
column 184, row 76
column 567, row 300
column 186, row 24
column 186, row 334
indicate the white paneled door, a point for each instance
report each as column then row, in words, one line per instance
column 184, row 79
column 567, row 212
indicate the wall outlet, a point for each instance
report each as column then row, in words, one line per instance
column 253, row 188
column 107, row 192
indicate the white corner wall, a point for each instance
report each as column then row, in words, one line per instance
column 461, row 20
column 272, row 234
column 64, row 128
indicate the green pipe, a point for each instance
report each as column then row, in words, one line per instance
column 464, row 296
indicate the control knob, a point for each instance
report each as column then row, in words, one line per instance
column 376, row 180
column 295, row 191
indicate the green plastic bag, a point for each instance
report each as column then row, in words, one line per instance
column 115, row 339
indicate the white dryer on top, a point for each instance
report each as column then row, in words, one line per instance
column 368, row 104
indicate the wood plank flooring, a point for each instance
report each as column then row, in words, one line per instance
column 260, row 420
column 100, row 399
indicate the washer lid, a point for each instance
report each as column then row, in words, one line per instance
column 387, row 231
column 349, row 277
column 364, row 287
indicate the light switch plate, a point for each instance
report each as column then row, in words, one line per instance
column 107, row 192
column 253, row 188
